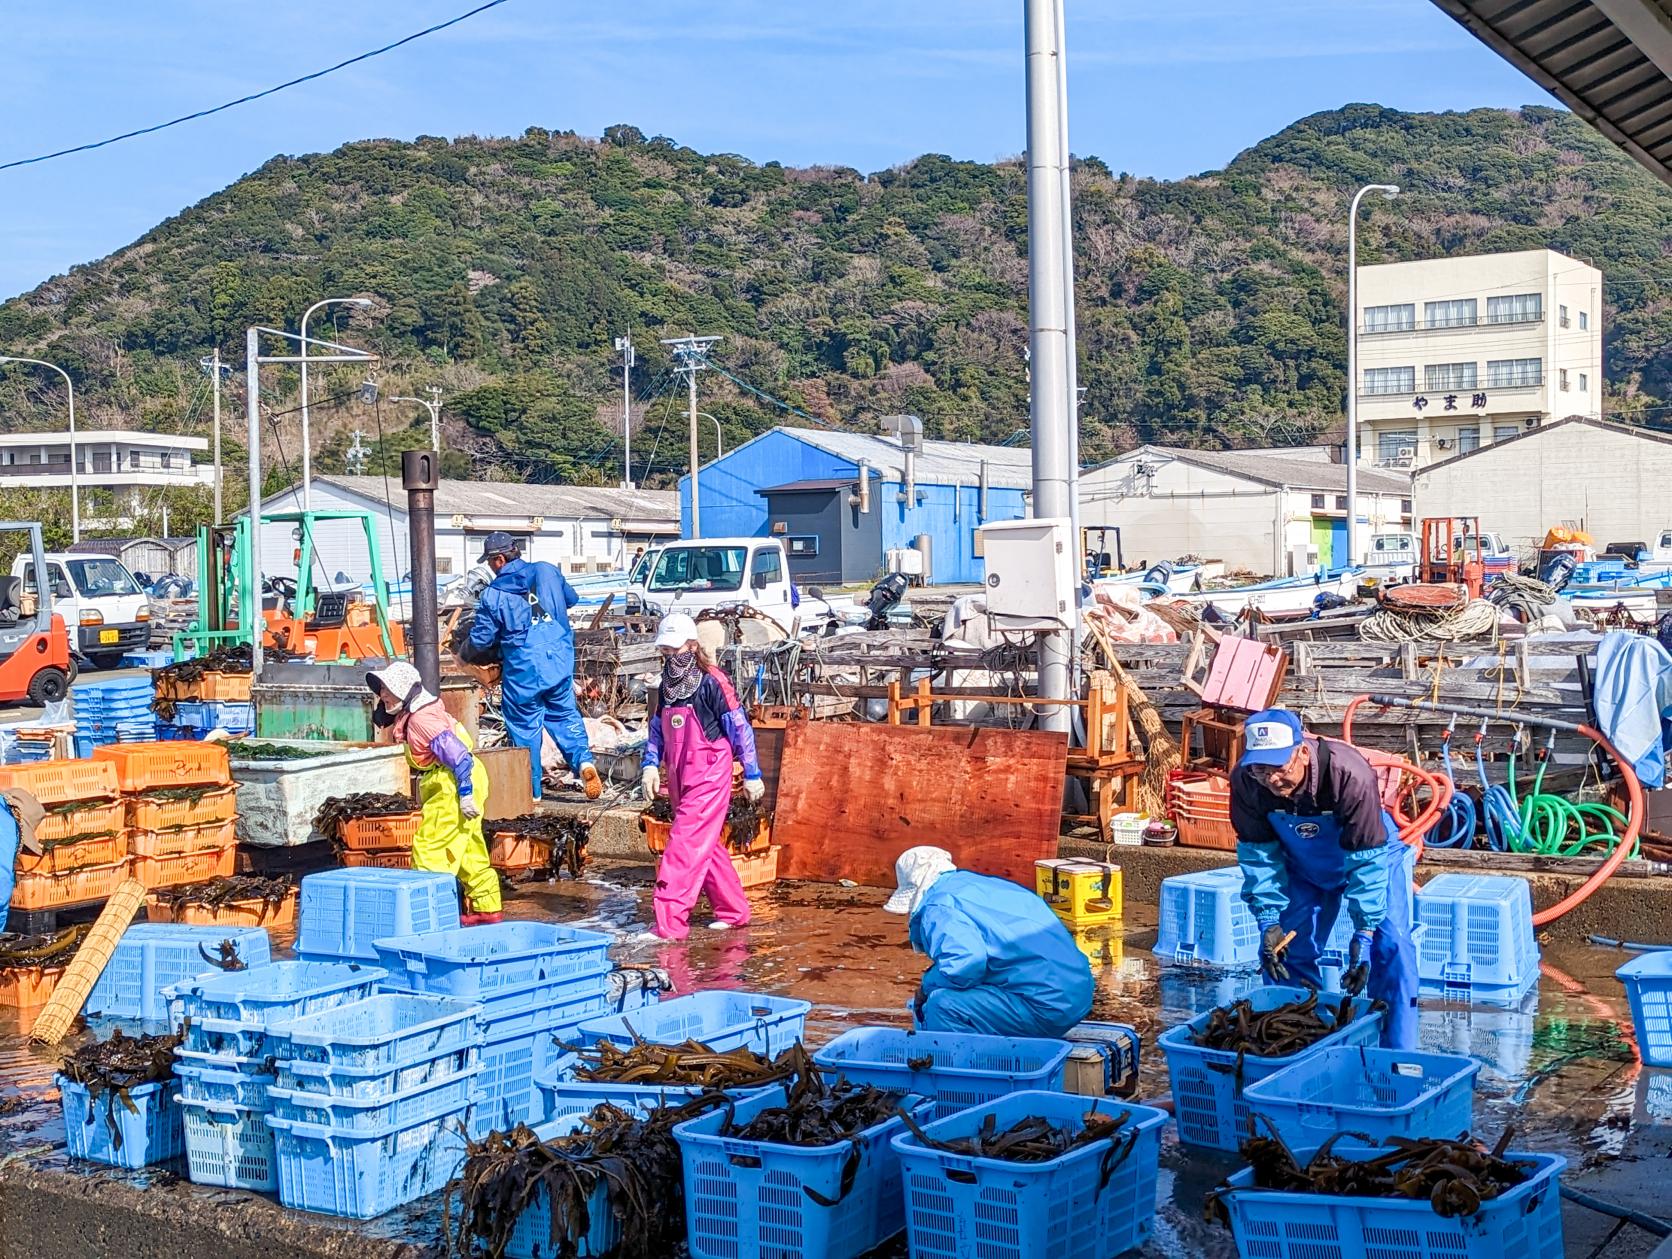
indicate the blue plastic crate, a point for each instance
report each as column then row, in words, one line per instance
column 374, row 1082
column 228, row 1145
column 237, row 717
column 563, row 1098
column 226, row 1081
column 1648, row 981
column 1479, row 944
column 1208, row 1083
column 753, row 1198
column 1205, row 923
column 106, row 1131
column 341, row 912
column 152, row 956
column 158, row 658
column 391, row 1030
column 1525, row 1221
column 964, row 1070
column 361, row 1175
column 478, row 962
column 532, row 1236
column 505, row 1091
column 228, row 1013
column 411, row 1106
column 1378, row 1093
column 958, row 1206
column 720, row 1020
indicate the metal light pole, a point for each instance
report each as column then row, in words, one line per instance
column 1069, row 319
column 307, row 460
column 624, row 347
column 1050, row 291
column 432, row 404
column 75, row 485
column 1390, row 191
column 719, row 440
column 216, row 369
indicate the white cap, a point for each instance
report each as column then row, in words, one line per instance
column 916, row 871
column 676, row 630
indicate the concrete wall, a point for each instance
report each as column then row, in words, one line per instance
column 1608, row 481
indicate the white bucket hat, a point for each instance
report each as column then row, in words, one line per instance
column 402, row 685
column 916, row 871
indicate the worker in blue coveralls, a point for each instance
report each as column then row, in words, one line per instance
column 1002, row 963
column 1312, row 834
column 524, row 612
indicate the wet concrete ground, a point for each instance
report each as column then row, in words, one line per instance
column 1562, row 1069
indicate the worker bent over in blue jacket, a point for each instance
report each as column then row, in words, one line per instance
column 1002, row 964
column 1312, row 835
column 525, row 614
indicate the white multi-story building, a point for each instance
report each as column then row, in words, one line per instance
column 125, row 462
column 1458, row 353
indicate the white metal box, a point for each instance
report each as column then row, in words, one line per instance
column 1030, row 573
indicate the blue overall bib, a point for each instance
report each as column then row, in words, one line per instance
column 10, row 839
column 1317, row 867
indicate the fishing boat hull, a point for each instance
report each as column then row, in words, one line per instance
column 1291, row 596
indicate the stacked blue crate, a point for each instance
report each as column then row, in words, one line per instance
column 1479, row 944
column 225, row 1068
column 114, row 711
column 195, row 718
column 536, row 982
column 341, row 912
column 152, row 957
column 370, row 1100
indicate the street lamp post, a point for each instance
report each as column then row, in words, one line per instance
column 307, row 461
column 75, row 487
column 432, row 404
column 1390, row 191
column 719, row 441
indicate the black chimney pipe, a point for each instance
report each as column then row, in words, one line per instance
column 420, row 475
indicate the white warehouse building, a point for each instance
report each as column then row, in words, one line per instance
column 1273, row 511
column 581, row 529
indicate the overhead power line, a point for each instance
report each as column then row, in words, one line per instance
column 254, row 96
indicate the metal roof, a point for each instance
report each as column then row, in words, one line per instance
column 501, row 499
column 1609, row 61
column 1303, row 473
column 814, row 486
column 1532, row 434
column 940, row 463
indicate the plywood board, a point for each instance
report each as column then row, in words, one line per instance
column 852, row 797
column 510, row 788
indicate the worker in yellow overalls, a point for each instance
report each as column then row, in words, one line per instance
column 452, row 788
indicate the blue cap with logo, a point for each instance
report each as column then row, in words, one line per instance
column 1270, row 737
column 498, row 543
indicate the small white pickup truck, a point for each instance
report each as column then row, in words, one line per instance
column 106, row 612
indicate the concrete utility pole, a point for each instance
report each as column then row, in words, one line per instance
column 216, row 370
column 624, row 347
column 75, row 485
column 307, row 457
column 432, row 404
column 1050, row 293
column 692, row 354
column 1390, row 191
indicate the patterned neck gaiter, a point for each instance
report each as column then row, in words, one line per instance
column 680, row 677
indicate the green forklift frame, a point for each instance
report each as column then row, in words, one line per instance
column 221, row 589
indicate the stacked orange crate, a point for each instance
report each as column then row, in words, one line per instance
column 176, row 838
column 86, row 851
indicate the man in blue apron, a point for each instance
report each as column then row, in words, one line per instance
column 1312, row 834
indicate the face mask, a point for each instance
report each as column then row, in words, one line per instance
column 382, row 717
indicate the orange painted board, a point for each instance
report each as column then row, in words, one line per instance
column 852, row 797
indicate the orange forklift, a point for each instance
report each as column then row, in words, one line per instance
column 35, row 661
column 1456, row 552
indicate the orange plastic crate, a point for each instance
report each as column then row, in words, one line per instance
column 250, row 913
column 233, row 687
column 757, row 869
column 387, row 859
column 76, row 887
column 182, row 839
column 372, row 834
column 28, row 987
column 148, row 813
column 60, row 782
column 656, row 835
column 519, row 852
column 190, row 867
column 1197, row 832
column 147, row 766
column 96, row 850
column 89, row 819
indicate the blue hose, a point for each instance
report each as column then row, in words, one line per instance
column 1455, row 828
column 1502, row 820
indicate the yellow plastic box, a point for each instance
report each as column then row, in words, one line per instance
column 1081, row 892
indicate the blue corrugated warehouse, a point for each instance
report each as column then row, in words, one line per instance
column 803, row 485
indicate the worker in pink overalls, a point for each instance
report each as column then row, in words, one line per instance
column 696, row 734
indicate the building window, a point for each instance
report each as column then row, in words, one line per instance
column 1513, row 373
column 1396, row 445
column 1584, row 383
column 1468, row 439
column 1516, row 308
column 1503, row 432
column 1450, row 377
column 1390, row 318
column 1561, row 377
column 1584, row 320
column 804, row 547
column 1405, row 507
column 1390, row 380
column 1460, row 313
column 1340, row 502
column 133, row 458
column 1561, row 316
column 1318, row 502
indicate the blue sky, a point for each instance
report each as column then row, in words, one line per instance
column 1157, row 87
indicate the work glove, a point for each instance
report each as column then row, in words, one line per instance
column 651, row 781
column 917, row 1004
column 1358, row 963
column 469, row 810
column 1272, row 946
column 755, row 789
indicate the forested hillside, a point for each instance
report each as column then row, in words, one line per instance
column 502, row 270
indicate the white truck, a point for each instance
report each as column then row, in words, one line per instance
column 704, row 573
column 106, row 612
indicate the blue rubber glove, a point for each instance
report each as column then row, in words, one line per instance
column 1358, row 963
